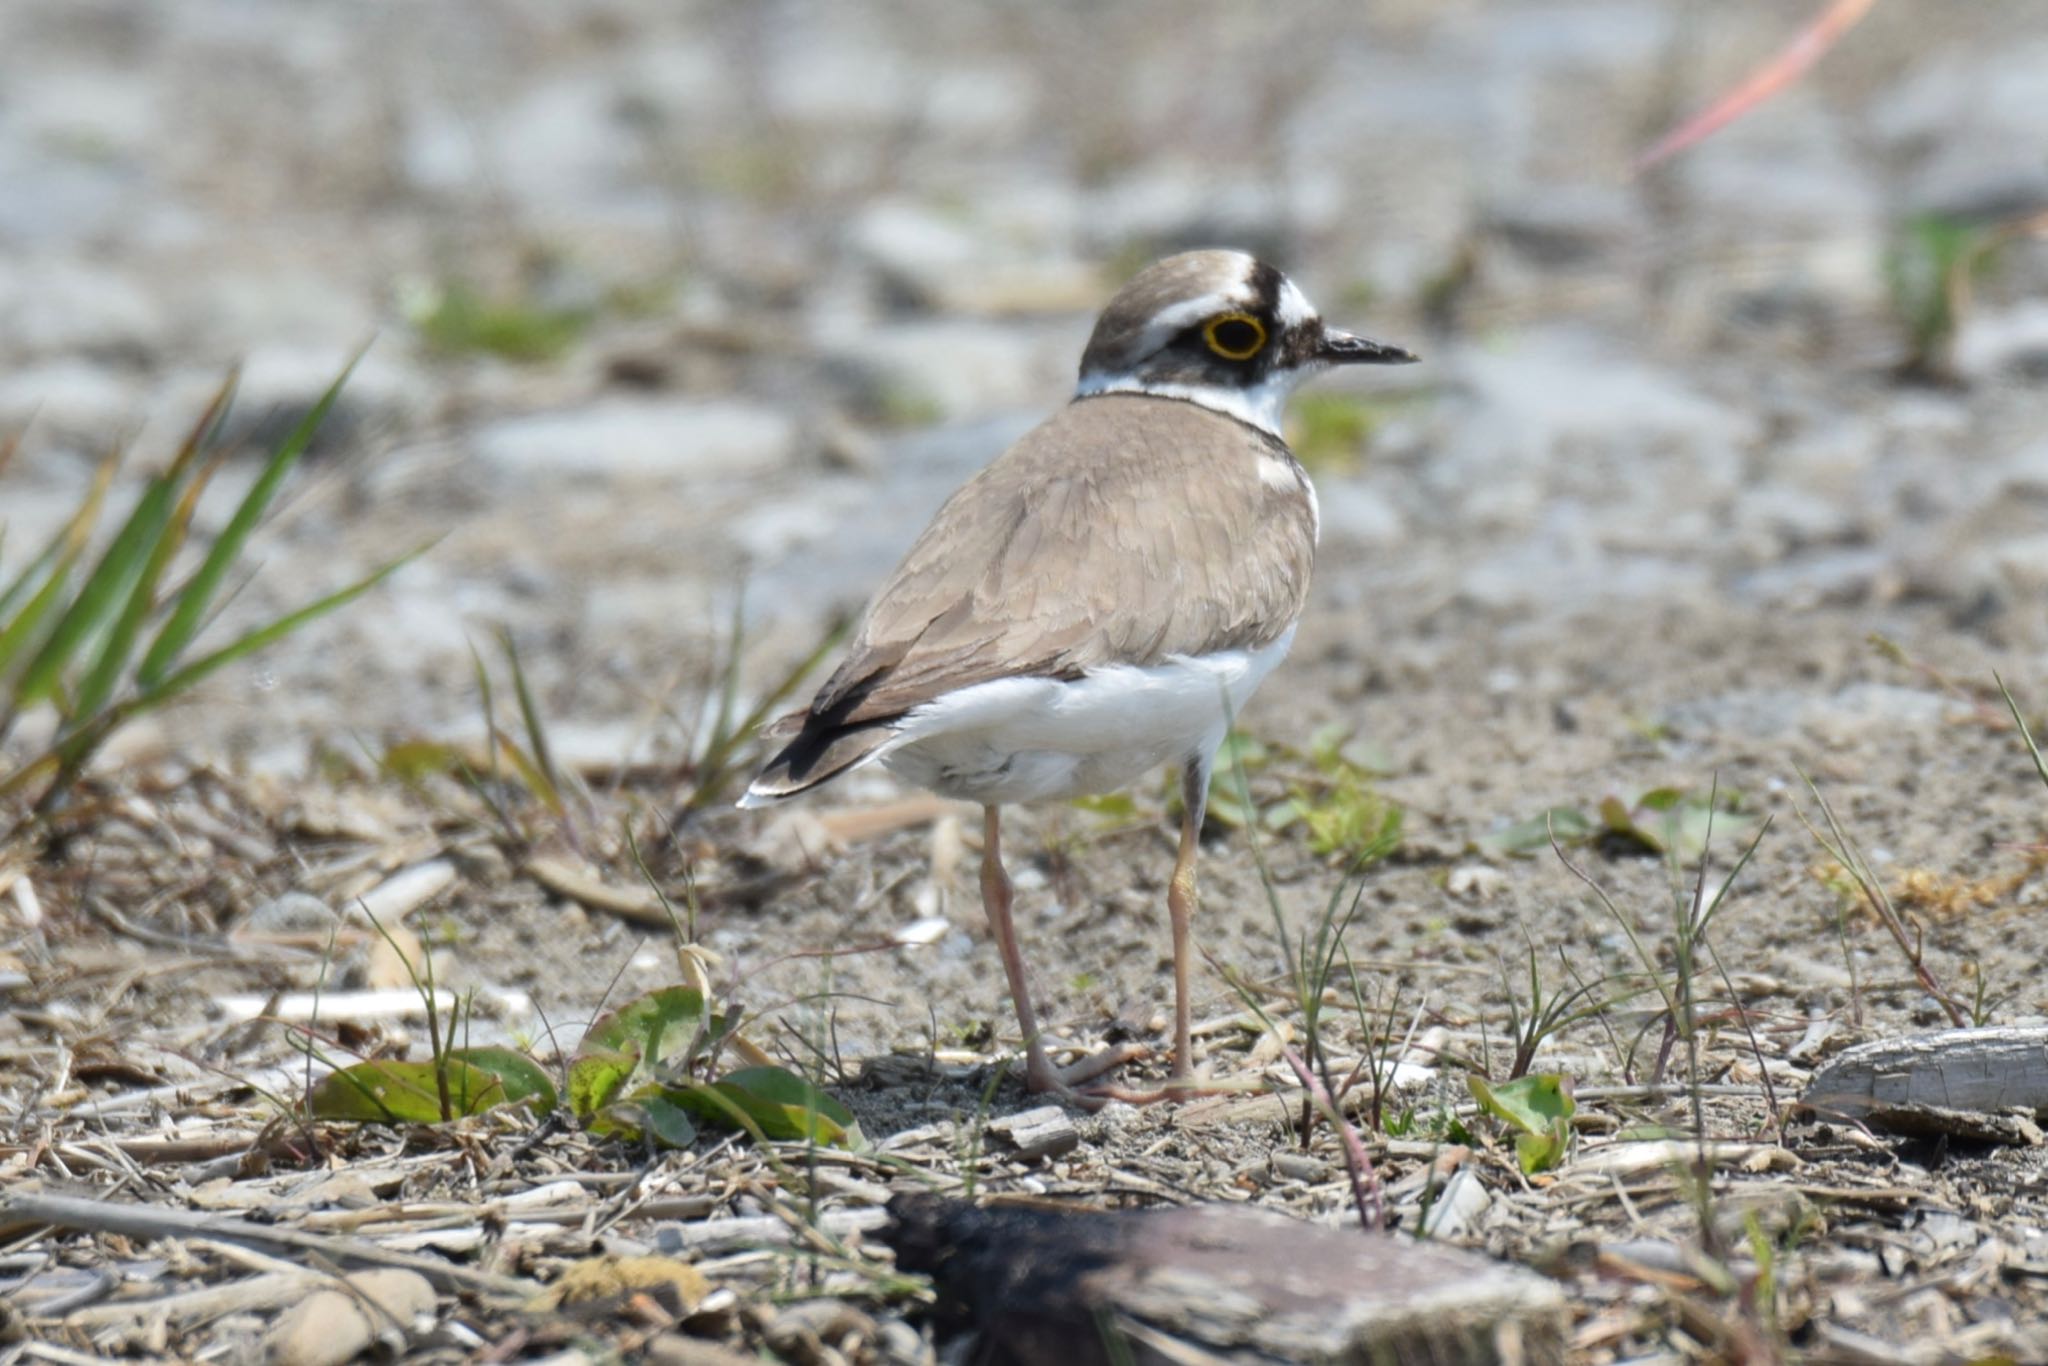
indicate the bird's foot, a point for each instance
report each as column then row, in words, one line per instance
column 1173, row 1091
column 1076, row 1083
column 1072, row 1082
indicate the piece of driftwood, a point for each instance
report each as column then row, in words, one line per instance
column 1217, row 1282
column 1989, row 1085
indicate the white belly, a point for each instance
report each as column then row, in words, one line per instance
column 1033, row 739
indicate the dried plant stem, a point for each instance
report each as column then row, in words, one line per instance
column 1912, row 943
column 1366, row 1191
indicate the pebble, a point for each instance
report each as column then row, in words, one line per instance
column 329, row 1327
column 289, row 911
column 1455, row 1211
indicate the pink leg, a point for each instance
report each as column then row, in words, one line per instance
column 1039, row 1073
column 1180, row 909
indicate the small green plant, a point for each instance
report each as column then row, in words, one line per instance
column 1329, row 432
column 1928, row 269
column 1693, row 913
column 1537, row 1108
column 103, row 645
column 643, row 1070
column 1335, row 803
column 457, row 318
column 450, row 1083
column 723, row 752
column 1665, row 820
column 1543, row 1017
column 456, row 1083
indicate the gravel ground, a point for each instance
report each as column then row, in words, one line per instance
column 1690, row 495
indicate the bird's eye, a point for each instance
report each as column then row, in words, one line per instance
column 1235, row 336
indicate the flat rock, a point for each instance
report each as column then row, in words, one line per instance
column 329, row 1326
column 1238, row 1284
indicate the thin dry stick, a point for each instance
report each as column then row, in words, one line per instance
column 1366, row 1192
column 149, row 1222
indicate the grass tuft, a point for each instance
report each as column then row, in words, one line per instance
column 70, row 635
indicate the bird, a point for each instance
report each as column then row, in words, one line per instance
column 1099, row 601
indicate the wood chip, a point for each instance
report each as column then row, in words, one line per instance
column 406, row 891
column 391, row 1003
column 853, row 824
column 1629, row 1158
column 637, row 904
column 715, row 1236
column 1047, row 1131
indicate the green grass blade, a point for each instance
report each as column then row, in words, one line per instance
column 103, row 592
column 25, row 631
column 530, row 772
column 536, row 732
column 30, row 580
column 490, row 708
column 55, row 561
column 190, row 612
column 2011, row 704
column 715, row 767
column 114, row 581
column 97, row 687
column 164, row 689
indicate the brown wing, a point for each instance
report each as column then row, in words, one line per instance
column 1123, row 530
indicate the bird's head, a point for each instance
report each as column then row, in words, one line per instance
column 1218, row 328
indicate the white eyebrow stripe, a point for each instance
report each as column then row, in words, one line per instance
column 1292, row 308
column 1168, row 323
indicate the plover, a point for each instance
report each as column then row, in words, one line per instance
column 1099, row 601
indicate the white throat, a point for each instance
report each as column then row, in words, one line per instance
column 1259, row 404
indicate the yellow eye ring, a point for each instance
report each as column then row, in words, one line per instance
column 1235, row 336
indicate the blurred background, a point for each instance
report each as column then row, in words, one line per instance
column 678, row 306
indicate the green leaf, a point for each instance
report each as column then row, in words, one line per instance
column 1532, row 1103
column 1540, row 1152
column 1666, row 820
column 1539, row 1107
column 387, row 1091
column 625, row 1049
column 189, row 613
column 523, row 1079
column 99, row 683
column 781, row 1104
column 1532, row 836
